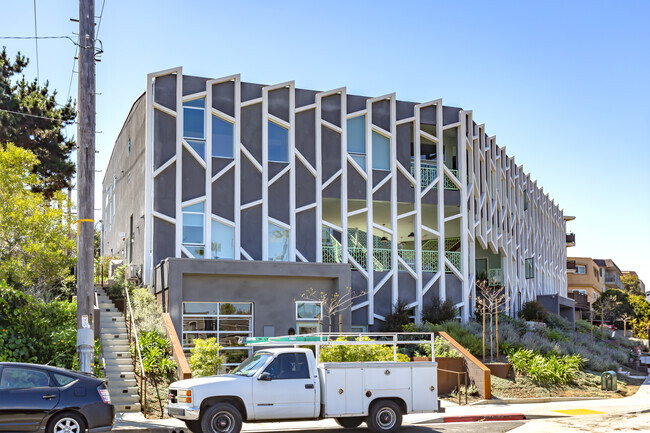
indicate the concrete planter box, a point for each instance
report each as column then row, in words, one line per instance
column 499, row 369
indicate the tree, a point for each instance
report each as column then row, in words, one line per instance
column 631, row 284
column 332, row 304
column 397, row 318
column 35, row 243
column 491, row 300
column 438, row 311
column 42, row 131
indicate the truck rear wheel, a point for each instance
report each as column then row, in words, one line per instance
column 221, row 418
column 385, row 417
column 350, row 421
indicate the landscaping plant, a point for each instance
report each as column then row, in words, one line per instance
column 359, row 353
column 545, row 369
column 205, row 359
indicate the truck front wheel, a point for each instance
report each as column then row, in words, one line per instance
column 350, row 421
column 221, row 418
column 385, row 417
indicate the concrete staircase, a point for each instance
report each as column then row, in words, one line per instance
column 118, row 365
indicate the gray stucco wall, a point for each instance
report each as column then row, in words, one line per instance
column 273, row 287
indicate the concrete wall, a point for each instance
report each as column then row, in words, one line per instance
column 273, row 287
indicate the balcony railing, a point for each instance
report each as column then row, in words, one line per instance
column 495, row 277
column 382, row 258
column 428, row 174
column 570, row 238
column 581, row 300
column 571, row 264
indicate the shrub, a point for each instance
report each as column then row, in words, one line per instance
column 443, row 349
column 457, row 331
column 116, row 289
column 360, row 353
column 156, row 355
column 583, row 326
column 205, row 359
column 545, row 369
column 147, row 314
column 399, row 317
column 555, row 321
column 533, row 311
column 438, row 312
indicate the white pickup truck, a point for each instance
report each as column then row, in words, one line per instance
column 283, row 384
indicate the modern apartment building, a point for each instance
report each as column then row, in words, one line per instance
column 232, row 193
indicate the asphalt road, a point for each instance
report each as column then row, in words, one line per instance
column 452, row 427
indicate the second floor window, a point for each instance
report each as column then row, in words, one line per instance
column 278, row 143
column 357, row 140
column 580, row 269
column 194, row 125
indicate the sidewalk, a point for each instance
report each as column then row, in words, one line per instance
column 636, row 404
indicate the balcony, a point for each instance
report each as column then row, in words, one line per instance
column 571, row 266
column 429, row 172
column 581, row 300
column 570, row 239
column 613, row 282
column 495, row 277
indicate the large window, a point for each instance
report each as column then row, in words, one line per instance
column 228, row 322
column 581, row 270
column 278, row 243
column 193, row 232
column 380, row 152
column 357, row 140
column 309, row 314
column 223, row 241
column 278, row 143
column 530, row 268
column 194, row 125
column 223, row 138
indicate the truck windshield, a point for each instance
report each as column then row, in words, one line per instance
column 253, row 363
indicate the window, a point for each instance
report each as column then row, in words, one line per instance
column 308, row 310
column 380, row 152
column 223, row 138
column 525, row 199
column 223, row 241
column 128, row 147
column 278, row 143
column 357, row 140
column 62, row 379
column 20, row 378
column 580, row 269
column 581, row 291
column 530, row 268
column 278, row 243
column 193, row 229
column 194, row 125
column 228, row 322
column 307, row 328
column 289, row 366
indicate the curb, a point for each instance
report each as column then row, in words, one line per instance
column 534, row 400
column 492, row 417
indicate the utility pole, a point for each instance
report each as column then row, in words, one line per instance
column 86, row 185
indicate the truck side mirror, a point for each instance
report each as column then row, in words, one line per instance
column 265, row 376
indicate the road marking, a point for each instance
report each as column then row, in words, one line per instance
column 579, row 412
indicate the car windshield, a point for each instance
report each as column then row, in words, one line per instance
column 253, row 363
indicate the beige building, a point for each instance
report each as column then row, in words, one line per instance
column 585, row 283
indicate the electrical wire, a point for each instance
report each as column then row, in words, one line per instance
column 38, row 74
column 101, row 14
column 30, row 115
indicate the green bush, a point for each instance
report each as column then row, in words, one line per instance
column 399, row 316
column 533, row 311
column 205, row 359
column 439, row 312
column 359, row 353
column 545, row 369
column 457, row 331
column 156, row 351
column 147, row 314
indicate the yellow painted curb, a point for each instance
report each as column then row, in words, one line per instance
column 579, row 412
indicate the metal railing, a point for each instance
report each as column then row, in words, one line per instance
column 428, row 174
column 455, row 258
column 495, row 277
column 132, row 333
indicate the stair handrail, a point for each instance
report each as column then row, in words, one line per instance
column 143, row 377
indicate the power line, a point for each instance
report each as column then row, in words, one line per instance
column 38, row 75
column 30, row 115
column 74, row 61
column 101, row 14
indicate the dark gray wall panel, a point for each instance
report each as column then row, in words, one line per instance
column 250, row 91
column 164, row 138
column 359, row 285
column 193, row 177
column 251, row 130
column 164, row 234
column 405, row 190
column 428, row 115
column 165, row 91
column 333, row 190
column 383, row 194
column 356, row 184
column 453, row 288
column 279, row 199
column 306, row 234
column 405, row 109
column 164, row 192
column 251, row 236
column 433, row 292
column 223, row 97
column 330, row 151
column 305, row 186
column 279, row 103
column 450, row 115
column 219, row 163
column 356, row 103
column 275, row 168
column 305, row 97
column 406, row 287
column 381, row 114
column 383, row 297
column 360, row 317
column 223, row 196
column 251, row 185
column 306, row 135
column 403, row 137
column 331, row 109
column 193, row 84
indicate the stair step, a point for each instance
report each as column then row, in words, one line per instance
column 107, row 336
column 114, row 329
column 122, row 383
column 111, row 312
column 124, row 399
column 127, row 408
column 117, row 391
column 117, row 355
column 118, row 361
column 119, row 375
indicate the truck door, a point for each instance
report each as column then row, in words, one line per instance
column 291, row 392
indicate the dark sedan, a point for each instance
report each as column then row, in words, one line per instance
column 43, row 398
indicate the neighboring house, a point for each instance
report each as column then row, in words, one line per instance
column 610, row 273
column 234, row 198
column 584, row 284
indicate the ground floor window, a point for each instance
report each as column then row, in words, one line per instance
column 225, row 321
column 309, row 315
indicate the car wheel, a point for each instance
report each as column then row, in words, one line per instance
column 194, row 426
column 350, row 421
column 221, row 418
column 385, row 417
column 67, row 422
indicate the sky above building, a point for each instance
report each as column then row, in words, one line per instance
column 563, row 85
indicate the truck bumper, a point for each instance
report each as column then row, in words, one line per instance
column 182, row 412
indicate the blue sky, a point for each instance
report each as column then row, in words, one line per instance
column 563, row 85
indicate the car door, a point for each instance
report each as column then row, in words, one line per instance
column 290, row 393
column 27, row 395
